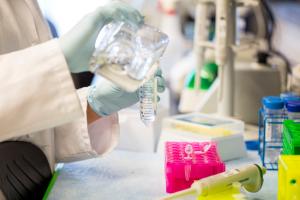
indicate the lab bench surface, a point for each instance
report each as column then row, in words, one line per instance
column 124, row 175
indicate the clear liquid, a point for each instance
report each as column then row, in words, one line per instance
column 273, row 124
column 147, row 103
column 140, row 64
column 274, row 129
column 134, row 62
column 133, row 48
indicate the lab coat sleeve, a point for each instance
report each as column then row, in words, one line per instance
column 36, row 90
column 77, row 140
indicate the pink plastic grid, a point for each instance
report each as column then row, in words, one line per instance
column 186, row 162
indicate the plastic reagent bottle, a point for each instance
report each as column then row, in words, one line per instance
column 293, row 109
column 148, row 101
column 274, row 112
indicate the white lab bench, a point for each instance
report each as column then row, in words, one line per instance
column 125, row 175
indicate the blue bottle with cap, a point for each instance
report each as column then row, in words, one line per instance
column 293, row 109
column 289, row 96
column 274, row 114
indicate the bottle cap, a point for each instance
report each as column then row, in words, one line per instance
column 293, row 106
column 252, row 145
column 291, row 98
column 273, row 102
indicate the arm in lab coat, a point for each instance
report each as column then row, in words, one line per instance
column 36, row 91
column 37, row 94
column 80, row 140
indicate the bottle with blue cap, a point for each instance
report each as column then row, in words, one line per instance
column 273, row 115
column 292, row 105
column 293, row 109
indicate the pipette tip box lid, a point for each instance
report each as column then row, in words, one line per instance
column 186, row 162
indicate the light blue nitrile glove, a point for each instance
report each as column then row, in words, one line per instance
column 78, row 44
column 106, row 98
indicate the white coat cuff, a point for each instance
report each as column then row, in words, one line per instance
column 77, row 140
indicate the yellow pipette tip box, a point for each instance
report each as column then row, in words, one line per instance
column 288, row 177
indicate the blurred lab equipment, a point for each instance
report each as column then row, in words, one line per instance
column 295, row 80
column 250, row 177
column 256, row 79
column 169, row 23
column 196, row 127
column 225, row 41
column 253, row 82
column 186, row 162
column 272, row 118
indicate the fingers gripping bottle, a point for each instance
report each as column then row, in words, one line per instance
column 148, row 101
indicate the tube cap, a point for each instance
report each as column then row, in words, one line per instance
column 293, row 98
column 252, row 145
column 273, row 102
column 293, row 106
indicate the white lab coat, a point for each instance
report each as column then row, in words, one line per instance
column 38, row 101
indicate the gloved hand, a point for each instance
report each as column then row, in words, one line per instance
column 106, row 98
column 78, row 44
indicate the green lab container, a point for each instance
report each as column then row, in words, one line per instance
column 209, row 73
column 291, row 138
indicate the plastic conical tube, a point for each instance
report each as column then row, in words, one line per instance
column 148, row 101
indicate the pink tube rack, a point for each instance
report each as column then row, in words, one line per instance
column 186, row 162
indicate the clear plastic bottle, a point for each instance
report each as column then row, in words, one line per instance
column 273, row 117
column 148, row 101
column 125, row 53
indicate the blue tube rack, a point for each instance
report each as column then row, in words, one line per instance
column 269, row 148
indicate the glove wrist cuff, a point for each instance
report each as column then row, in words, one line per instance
column 94, row 104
